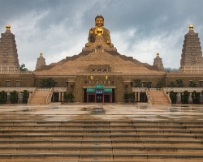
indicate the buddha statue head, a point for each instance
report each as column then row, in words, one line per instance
column 99, row 21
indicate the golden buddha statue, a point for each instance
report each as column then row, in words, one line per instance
column 99, row 30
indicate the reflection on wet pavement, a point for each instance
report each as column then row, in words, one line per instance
column 112, row 111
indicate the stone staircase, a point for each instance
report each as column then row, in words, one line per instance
column 40, row 97
column 101, row 140
column 158, row 97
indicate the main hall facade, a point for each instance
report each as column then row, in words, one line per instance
column 99, row 73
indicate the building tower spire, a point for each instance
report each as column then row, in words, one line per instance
column 8, row 52
column 40, row 61
column 191, row 58
column 158, row 62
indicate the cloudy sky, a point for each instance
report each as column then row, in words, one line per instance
column 139, row 28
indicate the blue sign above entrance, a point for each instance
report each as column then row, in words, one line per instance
column 99, row 91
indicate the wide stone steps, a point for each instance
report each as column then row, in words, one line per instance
column 158, row 97
column 83, row 140
column 39, row 97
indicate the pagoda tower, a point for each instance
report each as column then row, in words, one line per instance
column 40, row 61
column 158, row 62
column 8, row 52
column 191, row 58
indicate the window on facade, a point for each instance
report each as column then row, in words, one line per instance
column 8, row 83
column 149, row 84
column 93, row 70
column 112, row 82
column 143, row 84
column 85, row 82
column 99, row 70
column 105, row 70
column 17, row 83
column 201, row 83
column 72, row 86
column 109, row 82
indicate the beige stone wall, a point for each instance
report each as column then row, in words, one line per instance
column 92, row 80
column 26, row 80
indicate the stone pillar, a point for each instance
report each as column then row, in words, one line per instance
column 201, row 98
column 178, row 97
column 62, row 96
column 135, row 96
column 190, row 99
column 138, row 97
column 59, row 96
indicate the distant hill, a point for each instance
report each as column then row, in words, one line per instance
column 170, row 69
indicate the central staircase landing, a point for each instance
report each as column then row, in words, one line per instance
column 159, row 97
column 40, row 97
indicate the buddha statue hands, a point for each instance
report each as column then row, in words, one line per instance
column 99, row 30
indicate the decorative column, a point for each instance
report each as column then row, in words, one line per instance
column 135, row 96
column 138, row 96
column 201, row 98
column 62, row 96
column 178, row 98
column 190, row 99
column 59, row 96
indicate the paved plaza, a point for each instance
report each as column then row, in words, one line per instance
column 122, row 132
column 69, row 112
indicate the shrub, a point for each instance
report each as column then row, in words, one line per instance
column 14, row 97
column 195, row 97
column 185, row 97
column 3, row 97
column 173, row 97
column 25, row 96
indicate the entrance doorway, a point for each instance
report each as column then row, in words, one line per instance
column 99, row 97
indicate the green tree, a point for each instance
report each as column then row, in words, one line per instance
column 195, row 97
column 179, row 83
column 14, row 97
column 23, row 68
column 131, row 96
column 66, row 97
column 173, row 97
column 3, row 97
column 71, row 96
column 160, row 84
column 185, row 97
column 47, row 83
column 192, row 84
column 25, row 96
column 172, row 84
column 138, row 83
column 126, row 97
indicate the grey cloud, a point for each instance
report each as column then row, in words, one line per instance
column 66, row 24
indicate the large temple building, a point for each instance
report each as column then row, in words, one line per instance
column 99, row 73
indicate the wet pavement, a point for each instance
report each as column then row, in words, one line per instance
column 69, row 112
column 122, row 132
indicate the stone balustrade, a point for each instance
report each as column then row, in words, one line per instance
column 189, row 89
column 18, row 89
column 30, row 89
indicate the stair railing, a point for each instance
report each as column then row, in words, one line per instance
column 31, row 95
column 150, row 101
column 48, row 99
column 166, row 95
